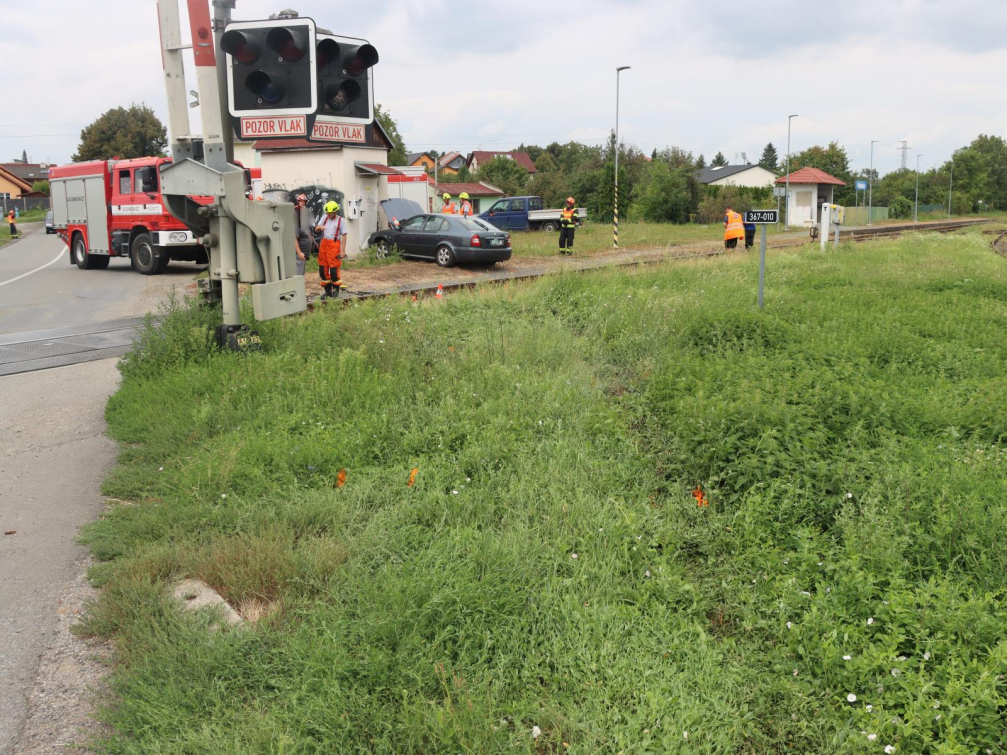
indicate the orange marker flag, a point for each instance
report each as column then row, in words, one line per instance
column 700, row 498
column 412, row 478
column 341, row 478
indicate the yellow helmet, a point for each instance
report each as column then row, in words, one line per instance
column 463, row 195
column 446, row 196
column 331, row 207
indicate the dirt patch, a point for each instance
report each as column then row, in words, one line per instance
column 70, row 682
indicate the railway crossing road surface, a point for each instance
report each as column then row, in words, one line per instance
column 53, row 451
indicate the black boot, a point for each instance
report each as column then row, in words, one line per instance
column 328, row 291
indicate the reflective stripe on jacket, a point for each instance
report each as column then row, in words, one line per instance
column 568, row 217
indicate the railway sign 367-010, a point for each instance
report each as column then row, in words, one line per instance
column 761, row 216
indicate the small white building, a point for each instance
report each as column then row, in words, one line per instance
column 810, row 188
column 753, row 176
column 354, row 174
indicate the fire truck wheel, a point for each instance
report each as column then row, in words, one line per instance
column 147, row 258
column 81, row 258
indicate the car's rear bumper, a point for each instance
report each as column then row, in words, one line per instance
column 478, row 256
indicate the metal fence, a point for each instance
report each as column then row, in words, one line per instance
column 925, row 208
column 858, row 215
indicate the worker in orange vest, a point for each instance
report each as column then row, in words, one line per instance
column 330, row 251
column 13, row 224
column 466, row 205
column 734, row 229
column 449, row 208
column 567, row 226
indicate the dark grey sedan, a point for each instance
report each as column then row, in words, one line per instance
column 448, row 240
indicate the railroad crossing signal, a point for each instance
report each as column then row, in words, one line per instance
column 345, row 83
column 271, row 88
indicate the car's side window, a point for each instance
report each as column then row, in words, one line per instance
column 500, row 206
column 436, row 225
column 413, row 224
column 517, row 205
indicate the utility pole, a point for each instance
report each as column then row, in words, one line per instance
column 951, row 183
column 904, row 149
column 916, row 212
column 870, row 186
column 615, row 206
column 786, row 191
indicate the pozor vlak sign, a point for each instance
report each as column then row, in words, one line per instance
column 265, row 127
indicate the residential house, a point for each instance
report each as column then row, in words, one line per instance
column 451, row 162
column 481, row 194
column 12, row 187
column 420, row 160
column 753, row 176
column 521, row 158
column 30, row 172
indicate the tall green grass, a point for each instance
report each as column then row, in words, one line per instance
column 549, row 572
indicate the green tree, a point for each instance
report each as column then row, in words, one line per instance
column 769, row 159
column 397, row 155
column 700, row 162
column 505, row 174
column 992, row 151
column 663, row 195
column 42, row 186
column 719, row 159
column 831, row 159
column 124, row 133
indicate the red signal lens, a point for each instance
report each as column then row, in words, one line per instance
column 243, row 47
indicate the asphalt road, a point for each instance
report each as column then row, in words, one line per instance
column 53, row 453
column 41, row 289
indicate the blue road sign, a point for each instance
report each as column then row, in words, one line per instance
column 861, row 185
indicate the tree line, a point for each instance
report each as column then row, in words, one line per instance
column 663, row 186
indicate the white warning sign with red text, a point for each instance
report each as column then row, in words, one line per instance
column 265, row 127
column 333, row 131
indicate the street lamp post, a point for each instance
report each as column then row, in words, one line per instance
column 615, row 206
column 916, row 212
column 870, row 186
column 951, row 183
column 786, row 191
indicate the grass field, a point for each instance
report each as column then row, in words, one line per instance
column 645, row 517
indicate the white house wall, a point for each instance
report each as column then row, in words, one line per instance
column 325, row 175
column 755, row 177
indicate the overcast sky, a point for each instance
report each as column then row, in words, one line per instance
column 706, row 76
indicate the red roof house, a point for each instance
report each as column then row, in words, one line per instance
column 521, row 158
column 810, row 188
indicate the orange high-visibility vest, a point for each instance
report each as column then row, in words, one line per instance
column 466, row 208
column 568, row 217
column 735, row 228
column 450, row 208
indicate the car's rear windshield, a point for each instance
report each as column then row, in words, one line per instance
column 471, row 224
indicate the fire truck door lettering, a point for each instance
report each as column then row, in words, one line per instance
column 137, row 209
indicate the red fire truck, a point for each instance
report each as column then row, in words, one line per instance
column 113, row 208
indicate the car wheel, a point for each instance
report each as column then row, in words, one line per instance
column 382, row 250
column 445, row 257
column 147, row 258
column 549, row 226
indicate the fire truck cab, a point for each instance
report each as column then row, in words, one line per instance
column 113, row 208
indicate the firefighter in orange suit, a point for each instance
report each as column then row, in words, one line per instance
column 734, row 229
column 330, row 251
column 567, row 226
column 466, row 205
column 449, row 208
column 13, row 224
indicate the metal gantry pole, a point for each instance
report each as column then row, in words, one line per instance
column 786, row 191
column 951, row 183
column 615, row 206
column 870, row 186
column 916, row 212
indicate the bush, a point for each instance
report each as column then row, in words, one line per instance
column 900, row 207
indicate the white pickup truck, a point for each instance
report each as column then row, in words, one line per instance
column 524, row 214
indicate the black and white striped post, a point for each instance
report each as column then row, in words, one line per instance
column 615, row 205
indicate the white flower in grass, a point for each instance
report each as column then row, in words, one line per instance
column 901, row 658
column 896, row 672
column 790, row 624
column 160, row 469
column 223, row 496
column 889, row 749
column 454, row 492
column 849, row 495
column 926, row 656
column 805, row 592
column 937, row 717
column 820, row 563
column 851, row 698
column 881, row 689
column 937, row 705
column 847, row 657
column 795, row 673
column 535, row 732
column 573, row 556
column 870, row 708
column 870, row 621
column 647, row 573
column 685, row 735
column 871, row 737
column 786, row 560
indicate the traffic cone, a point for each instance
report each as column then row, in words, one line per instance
column 440, row 291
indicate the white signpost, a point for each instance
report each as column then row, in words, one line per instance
column 761, row 218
